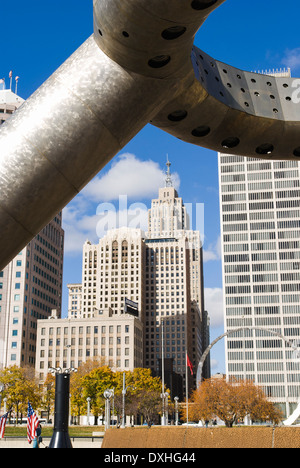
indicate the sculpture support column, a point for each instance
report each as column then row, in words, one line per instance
column 64, row 135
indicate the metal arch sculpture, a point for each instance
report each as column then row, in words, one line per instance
column 139, row 66
column 293, row 418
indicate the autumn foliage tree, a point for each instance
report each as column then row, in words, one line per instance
column 19, row 387
column 231, row 401
column 93, row 379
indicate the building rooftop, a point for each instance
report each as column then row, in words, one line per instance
column 8, row 97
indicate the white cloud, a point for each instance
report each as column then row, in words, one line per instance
column 91, row 214
column 292, row 58
column 128, row 176
column 214, row 306
column 80, row 226
column 214, row 364
column 213, row 253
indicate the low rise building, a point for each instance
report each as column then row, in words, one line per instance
column 115, row 340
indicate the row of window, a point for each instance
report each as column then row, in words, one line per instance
column 88, row 330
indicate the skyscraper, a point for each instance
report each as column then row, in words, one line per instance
column 174, row 302
column 30, row 287
column 162, row 272
column 260, row 227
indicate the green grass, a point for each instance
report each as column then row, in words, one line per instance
column 74, row 431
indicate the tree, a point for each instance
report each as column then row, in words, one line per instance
column 77, row 386
column 231, row 401
column 20, row 386
column 149, row 405
column 49, row 394
column 94, row 385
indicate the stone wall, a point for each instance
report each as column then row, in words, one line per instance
column 221, row 437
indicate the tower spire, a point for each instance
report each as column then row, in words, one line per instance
column 169, row 182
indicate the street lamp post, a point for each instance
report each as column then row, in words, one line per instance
column 60, row 438
column 165, row 401
column 176, row 399
column 88, row 410
column 124, row 393
column 108, row 394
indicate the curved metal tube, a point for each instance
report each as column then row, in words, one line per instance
column 233, row 332
column 293, row 418
column 138, row 67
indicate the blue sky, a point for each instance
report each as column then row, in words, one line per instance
column 37, row 37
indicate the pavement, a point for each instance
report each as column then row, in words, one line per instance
column 78, row 443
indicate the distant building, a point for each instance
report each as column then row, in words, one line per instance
column 30, row 287
column 174, row 286
column 9, row 103
column 114, row 339
column 162, row 272
column 75, row 301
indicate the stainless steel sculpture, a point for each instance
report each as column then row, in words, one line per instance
column 139, row 66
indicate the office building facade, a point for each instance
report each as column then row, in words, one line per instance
column 111, row 339
column 30, row 287
column 260, row 221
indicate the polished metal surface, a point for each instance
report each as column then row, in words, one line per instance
column 140, row 66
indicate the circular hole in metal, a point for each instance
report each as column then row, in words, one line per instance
column 201, row 131
column 275, row 111
column 264, row 149
column 173, row 33
column 272, row 97
column 125, row 34
column 202, row 4
column 297, row 152
column 177, row 116
column 231, row 142
column 100, row 32
column 159, row 61
column 288, row 98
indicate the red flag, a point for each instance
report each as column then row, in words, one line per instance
column 190, row 365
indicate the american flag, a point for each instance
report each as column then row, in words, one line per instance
column 32, row 424
column 3, row 421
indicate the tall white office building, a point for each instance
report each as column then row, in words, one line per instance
column 260, row 228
